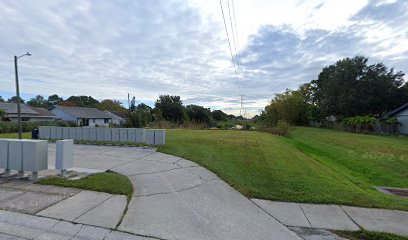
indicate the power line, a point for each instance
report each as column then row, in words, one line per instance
column 229, row 43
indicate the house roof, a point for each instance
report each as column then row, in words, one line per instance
column 398, row 110
column 43, row 112
column 115, row 114
column 11, row 108
column 82, row 112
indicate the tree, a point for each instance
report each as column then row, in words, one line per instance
column 1, row 99
column 111, row 105
column 198, row 113
column 38, row 101
column 352, row 87
column 54, row 100
column 140, row 117
column 290, row 106
column 68, row 104
column 132, row 104
column 14, row 100
column 84, row 101
column 219, row 115
column 2, row 115
column 171, row 108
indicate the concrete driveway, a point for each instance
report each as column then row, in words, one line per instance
column 176, row 199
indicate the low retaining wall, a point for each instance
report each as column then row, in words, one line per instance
column 99, row 134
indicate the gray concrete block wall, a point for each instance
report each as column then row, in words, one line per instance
column 150, row 136
column 100, row 134
column 53, row 133
column 71, row 133
column 123, row 134
column 131, row 133
column 86, row 134
column 65, row 133
column 140, row 135
column 107, row 134
column 59, row 132
column 41, row 132
column 115, row 134
column 78, row 134
column 159, row 137
column 92, row 134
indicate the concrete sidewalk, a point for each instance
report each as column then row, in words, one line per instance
column 336, row 217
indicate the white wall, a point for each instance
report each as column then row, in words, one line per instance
column 403, row 119
column 98, row 121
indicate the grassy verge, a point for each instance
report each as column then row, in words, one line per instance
column 26, row 135
column 109, row 182
column 365, row 235
column 312, row 165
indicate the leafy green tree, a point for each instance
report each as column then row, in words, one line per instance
column 352, row 87
column 14, row 100
column 198, row 114
column 111, row 105
column 84, row 101
column 38, row 101
column 2, row 115
column 219, row 115
column 54, row 100
column 1, row 99
column 140, row 117
column 171, row 108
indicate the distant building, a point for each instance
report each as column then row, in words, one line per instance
column 118, row 118
column 28, row 114
column 82, row 116
column 401, row 114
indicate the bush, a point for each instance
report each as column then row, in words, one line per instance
column 282, row 128
column 11, row 127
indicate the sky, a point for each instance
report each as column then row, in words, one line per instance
column 107, row 49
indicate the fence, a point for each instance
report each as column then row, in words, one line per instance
column 99, row 134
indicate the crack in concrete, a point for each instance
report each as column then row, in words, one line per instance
column 177, row 191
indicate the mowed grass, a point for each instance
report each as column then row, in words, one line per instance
column 109, row 182
column 25, row 135
column 366, row 235
column 312, row 165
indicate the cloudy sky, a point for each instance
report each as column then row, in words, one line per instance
column 108, row 49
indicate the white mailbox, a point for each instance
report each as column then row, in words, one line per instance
column 4, row 145
column 35, row 156
column 15, row 155
column 64, row 155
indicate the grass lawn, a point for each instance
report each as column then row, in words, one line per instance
column 365, row 235
column 312, row 165
column 109, row 182
column 26, row 135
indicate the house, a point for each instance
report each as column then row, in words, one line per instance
column 401, row 114
column 82, row 116
column 28, row 114
column 118, row 118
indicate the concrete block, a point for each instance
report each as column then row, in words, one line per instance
column 35, row 155
column 53, row 133
column 160, row 137
column 59, row 132
column 140, row 135
column 338, row 220
column 123, row 135
column 149, row 136
column 64, row 154
column 85, row 134
column 92, row 134
column 107, row 134
column 78, row 134
column 15, row 156
column 71, row 133
column 131, row 135
column 115, row 134
column 65, row 133
column 4, row 145
column 100, row 134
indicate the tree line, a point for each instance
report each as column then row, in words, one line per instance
column 166, row 108
column 350, row 87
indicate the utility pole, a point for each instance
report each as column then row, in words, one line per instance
column 241, row 110
column 20, row 134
